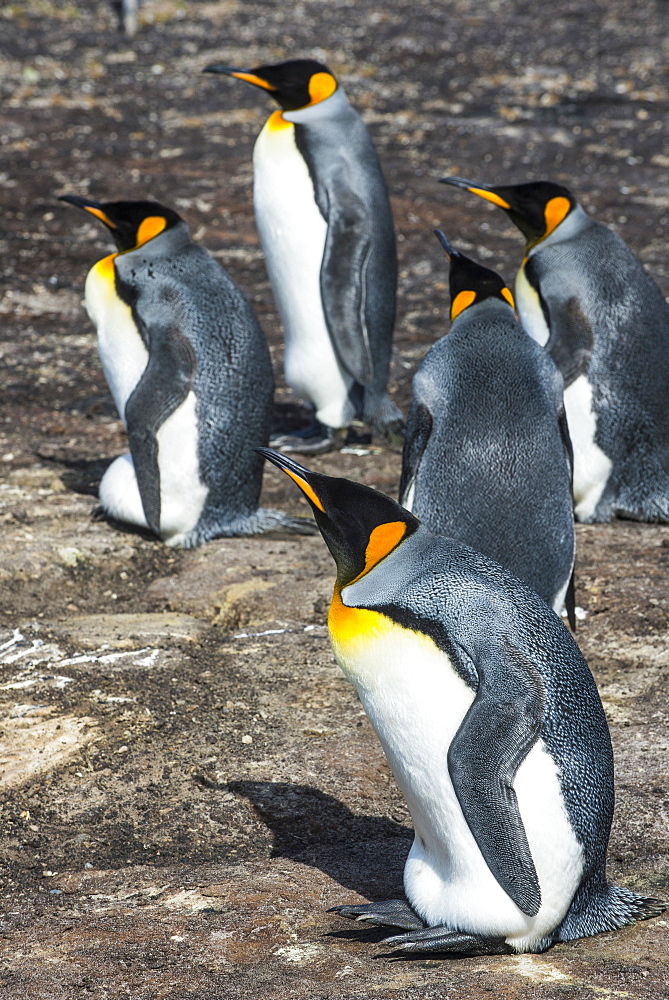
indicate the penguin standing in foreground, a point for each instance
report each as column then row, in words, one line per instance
column 492, row 725
column 583, row 295
column 487, row 456
column 326, row 230
column 190, row 373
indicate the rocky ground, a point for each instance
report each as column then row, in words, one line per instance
column 188, row 781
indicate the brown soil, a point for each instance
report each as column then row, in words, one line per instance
column 188, row 781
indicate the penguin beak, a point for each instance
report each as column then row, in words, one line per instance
column 93, row 207
column 297, row 473
column 480, row 189
column 449, row 250
column 240, row 74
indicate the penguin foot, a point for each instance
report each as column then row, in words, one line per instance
column 388, row 913
column 316, row 439
column 394, row 432
column 441, row 939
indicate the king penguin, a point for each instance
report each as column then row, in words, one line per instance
column 487, row 456
column 190, row 373
column 585, row 297
column 326, row 230
column 492, row 725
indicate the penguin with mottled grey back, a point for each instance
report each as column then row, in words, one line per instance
column 326, row 230
column 583, row 294
column 190, row 373
column 487, row 456
column 492, row 725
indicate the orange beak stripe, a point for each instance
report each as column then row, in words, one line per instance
column 99, row 214
column 490, row 196
column 257, row 81
column 306, row 489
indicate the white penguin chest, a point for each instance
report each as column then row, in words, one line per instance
column 529, row 309
column 183, row 493
column 122, row 351
column 292, row 229
column 293, row 233
column 592, row 467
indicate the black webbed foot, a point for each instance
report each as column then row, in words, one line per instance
column 316, row 439
column 441, row 939
column 388, row 913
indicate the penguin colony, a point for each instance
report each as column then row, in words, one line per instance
column 440, row 616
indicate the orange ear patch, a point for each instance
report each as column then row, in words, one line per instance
column 461, row 302
column 321, row 86
column 383, row 540
column 150, row 227
column 509, row 297
column 555, row 212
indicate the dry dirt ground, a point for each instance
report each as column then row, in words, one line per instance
column 188, row 782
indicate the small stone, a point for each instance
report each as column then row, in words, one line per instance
column 71, row 556
column 247, row 739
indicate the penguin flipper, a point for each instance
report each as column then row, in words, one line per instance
column 566, row 441
column 417, row 435
column 164, row 385
column 345, row 255
column 501, row 726
column 571, row 340
column 570, row 596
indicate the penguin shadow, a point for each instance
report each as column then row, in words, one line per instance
column 287, row 418
column 78, row 475
column 363, row 853
column 83, row 476
column 290, row 417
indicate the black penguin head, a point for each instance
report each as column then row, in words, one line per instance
column 359, row 525
column 131, row 223
column 536, row 208
column 471, row 282
column 295, row 84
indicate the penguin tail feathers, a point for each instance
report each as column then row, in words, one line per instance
column 385, row 418
column 607, row 911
